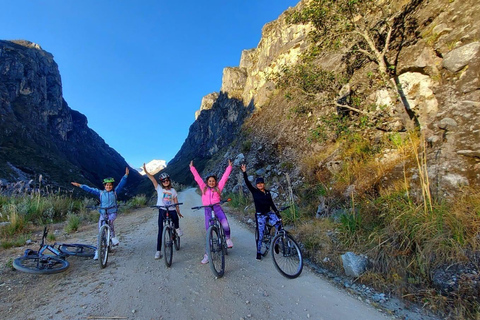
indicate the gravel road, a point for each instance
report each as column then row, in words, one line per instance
column 135, row 286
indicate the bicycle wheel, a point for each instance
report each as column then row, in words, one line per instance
column 103, row 246
column 176, row 240
column 167, row 245
column 215, row 251
column 77, row 249
column 40, row 264
column 287, row 256
column 267, row 237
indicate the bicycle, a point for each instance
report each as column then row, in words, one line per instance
column 50, row 259
column 286, row 254
column 104, row 239
column 169, row 233
column 216, row 243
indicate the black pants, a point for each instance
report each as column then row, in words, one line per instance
column 161, row 214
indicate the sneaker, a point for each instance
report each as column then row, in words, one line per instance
column 95, row 257
column 259, row 256
column 205, row 259
column 115, row 241
column 158, row 255
column 179, row 232
column 229, row 243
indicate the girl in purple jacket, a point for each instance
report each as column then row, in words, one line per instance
column 211, row 193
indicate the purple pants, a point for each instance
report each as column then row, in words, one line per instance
column 111, row 218
column 221, row 217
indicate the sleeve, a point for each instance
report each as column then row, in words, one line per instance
column 121, row 184
column 272, row 204
column 247, row 182
column 88, row 189
column 197, row 178
column 224, row 178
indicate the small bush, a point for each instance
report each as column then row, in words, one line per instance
column 73, row 222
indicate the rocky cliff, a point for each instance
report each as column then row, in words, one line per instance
column 39, row 133
column 433, row 57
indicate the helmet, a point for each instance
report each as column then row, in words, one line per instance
column 164, row 176
column 108, row 180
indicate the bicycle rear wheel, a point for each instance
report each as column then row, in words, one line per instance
column 103, row 246
column 287, row 256
column 40, row 264
column 167, row 245
column 215, row 251
column 176, row 240
column 267, row 237
column 78, row 249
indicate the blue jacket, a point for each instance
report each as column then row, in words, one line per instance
column 107, row 199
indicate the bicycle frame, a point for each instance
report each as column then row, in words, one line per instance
column 169, row 233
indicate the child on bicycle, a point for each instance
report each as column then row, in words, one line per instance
column 211, row 193
column 166, row 195
column 108, row 199
column 263, row 202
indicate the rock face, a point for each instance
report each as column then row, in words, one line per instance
column 39, row 133
column 437, row 72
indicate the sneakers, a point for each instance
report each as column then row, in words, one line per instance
column 95, row 257
column 229, row 243
column 115, row 241
column 158, row 255
column 259, row 256
column 179, row 232
column 205, row 259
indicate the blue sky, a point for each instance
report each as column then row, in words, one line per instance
column 138, row 69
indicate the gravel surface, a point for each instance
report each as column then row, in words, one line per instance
column 135, row 286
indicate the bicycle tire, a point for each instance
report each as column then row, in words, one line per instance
column 167, row 245
column 215, row 251
column 77, row 249
column 40, row 264
column 176, row 241
column 287, row 256
column 103, row 246
column 265, row 241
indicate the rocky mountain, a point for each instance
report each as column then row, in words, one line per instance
column 154, row 166
column 39, row 133
column 290, row 99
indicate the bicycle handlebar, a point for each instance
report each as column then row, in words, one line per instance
column 284, row 208
column 167, row 206
column 211, row 205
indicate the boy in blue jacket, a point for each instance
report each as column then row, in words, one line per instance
column 108, row 201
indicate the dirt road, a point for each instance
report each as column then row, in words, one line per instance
column 135, row 286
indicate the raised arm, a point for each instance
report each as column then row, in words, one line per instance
column 123, row 181
column 196, row 176
column 245, row 178
column 152, row 178
column 225, row 176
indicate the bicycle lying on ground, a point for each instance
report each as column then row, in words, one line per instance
column 216, row 244
column 169, row 233
column 286, row 254
column 51, row 258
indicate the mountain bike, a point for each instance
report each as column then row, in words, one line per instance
column 50, row 259
column 104, row 239
column 216, row 244
column 169, row 233
column 286, row 254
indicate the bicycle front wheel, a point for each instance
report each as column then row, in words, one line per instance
column 40, row 264
column 287, row 256
column 77, row 249
column 103, row 244
column 215, row 251
column 167, row 245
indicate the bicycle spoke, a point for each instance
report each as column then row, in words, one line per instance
column 216, row 253
column 168, row 245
